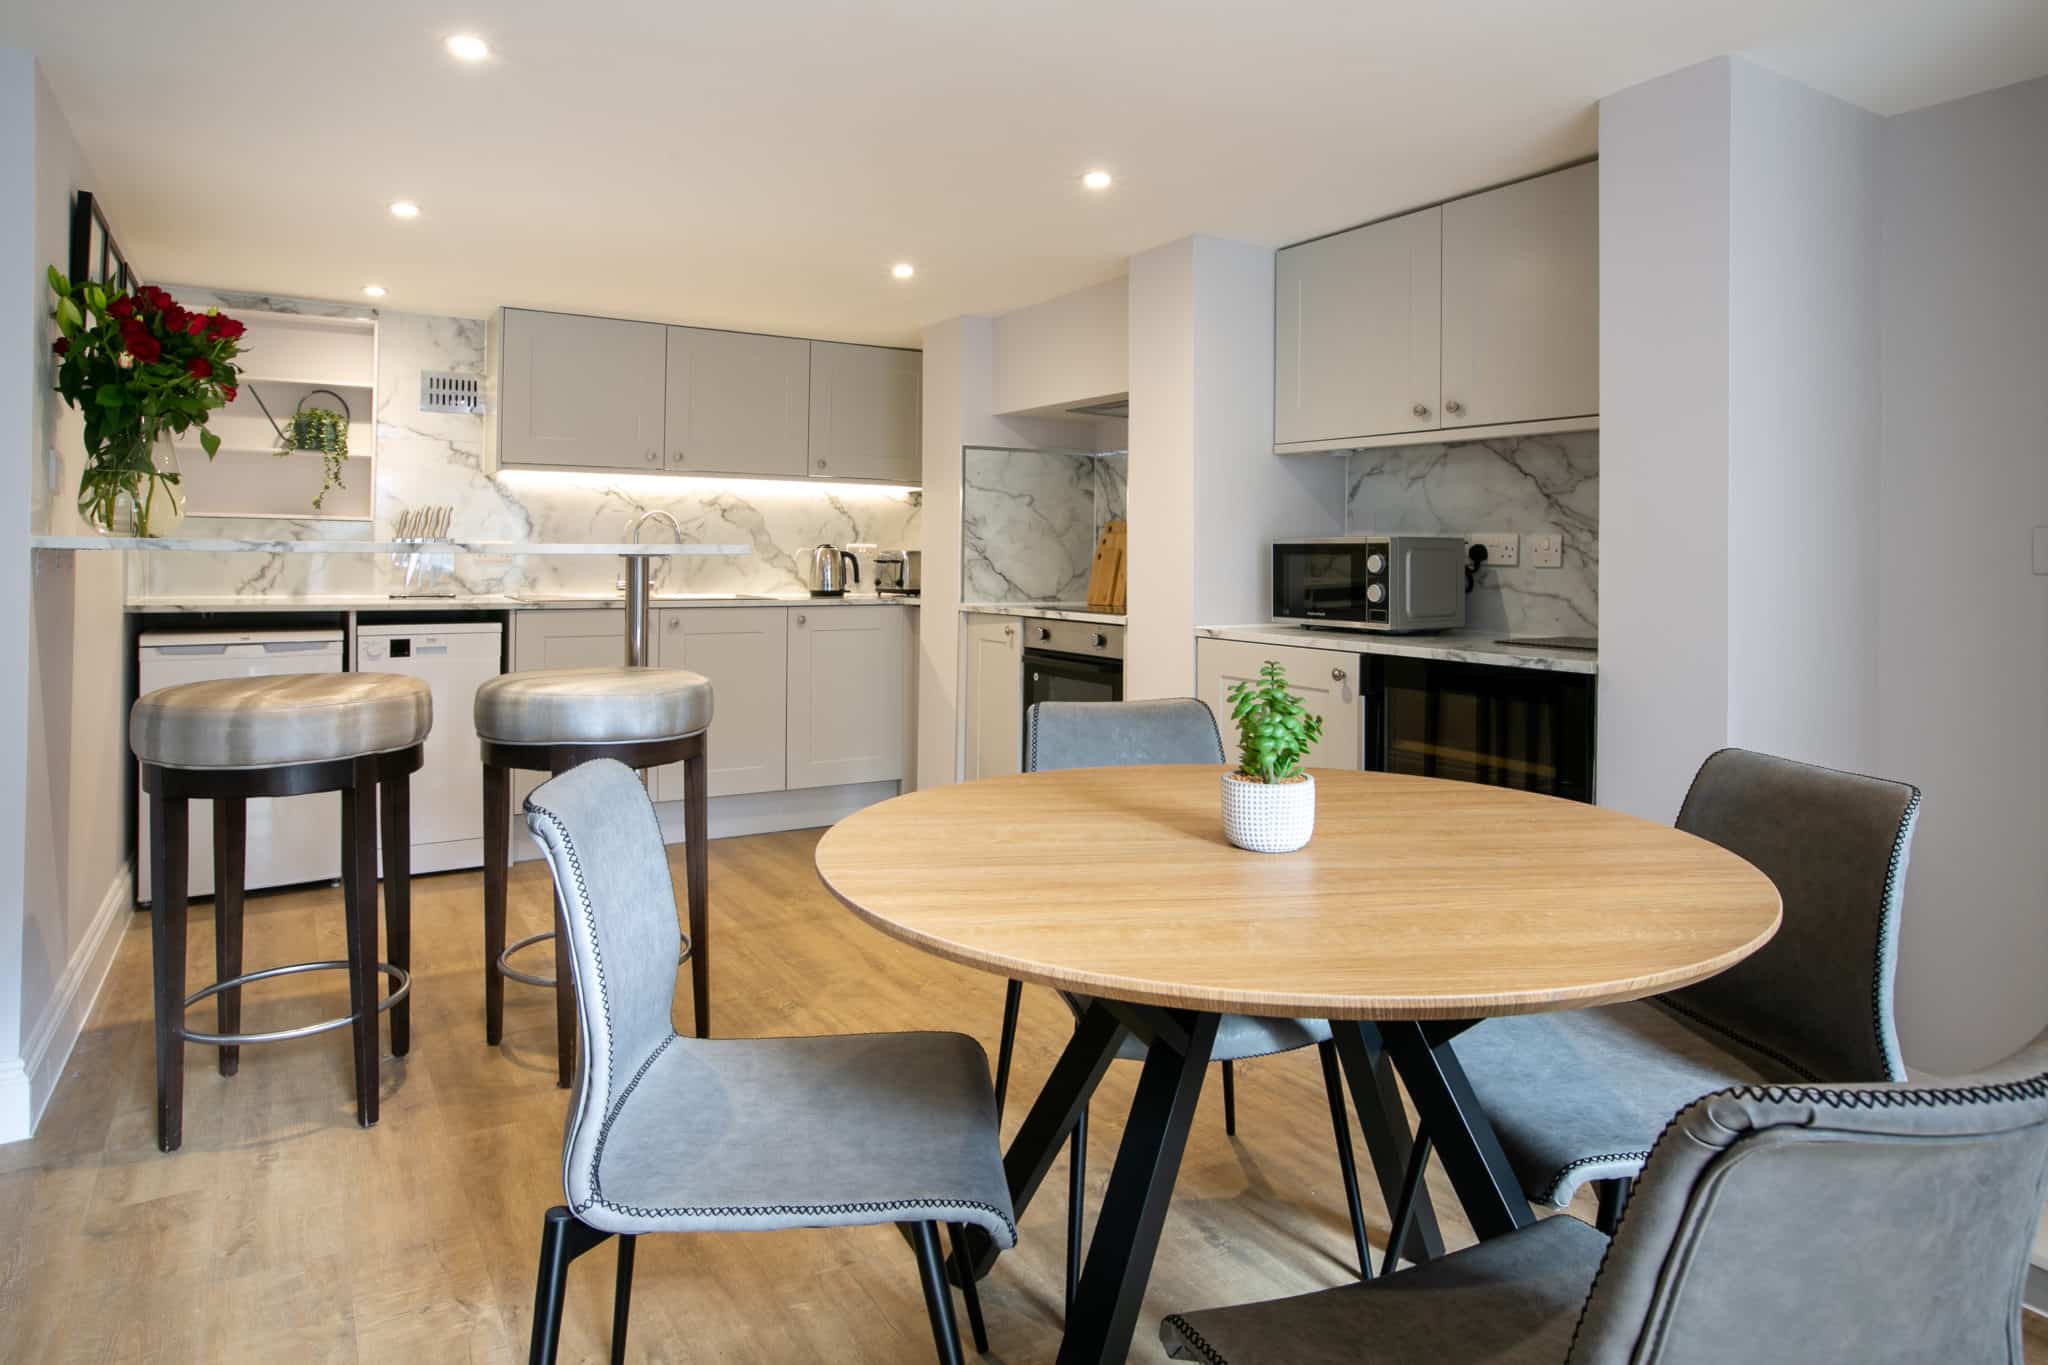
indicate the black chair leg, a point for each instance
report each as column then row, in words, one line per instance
column 1404, row 1207
column 938, row 1298
column 562, row 1239
column 1347, row 1164
column 622, row 1298
column 1611, row 1198
column 1013, row 993
column 1230, row 1099
column 1077, row 1198
column 969, row 1291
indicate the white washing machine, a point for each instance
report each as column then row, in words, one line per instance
column 292, row 839
column 453, row 658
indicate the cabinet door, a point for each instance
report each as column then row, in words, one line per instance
column 1356, row 342
column 1326, row 682
column 1522, row 301
column 865, row 413
column 564, row 637
column 737, row 403
column 744, row 653
column 848, row 667
column 580, row 392
column 995, row 698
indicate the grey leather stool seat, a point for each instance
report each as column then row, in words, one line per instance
column 550, row 720
column 227, row 740
column 674, row 1134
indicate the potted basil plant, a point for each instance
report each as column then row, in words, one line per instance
column 1269, row 803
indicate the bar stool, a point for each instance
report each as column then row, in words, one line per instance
column 227, row 740
column 549, row 720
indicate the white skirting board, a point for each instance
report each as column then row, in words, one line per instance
column 26, row 1085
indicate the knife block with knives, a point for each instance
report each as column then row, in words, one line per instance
column 1106, row 578
column 428, row 572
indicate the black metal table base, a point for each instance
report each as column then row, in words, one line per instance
column 1104, row 1314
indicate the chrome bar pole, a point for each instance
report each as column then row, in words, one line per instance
column 639, row 619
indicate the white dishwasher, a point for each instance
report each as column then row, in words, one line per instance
column 292, row 839
column 453, row 658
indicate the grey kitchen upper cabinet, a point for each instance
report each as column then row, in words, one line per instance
column 744, row 652
column 577, row 392
column 995, row 698
column 865, row 405
column 738, row 403
column 848, row 668
column 1355, row 343
column 1326, row 682
column 1522, row 301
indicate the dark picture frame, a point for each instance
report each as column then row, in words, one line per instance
column 95, row 255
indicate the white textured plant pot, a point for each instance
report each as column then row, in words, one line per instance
column 1276, row 817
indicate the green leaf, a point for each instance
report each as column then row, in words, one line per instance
column 110, row 396
column 68, row 316
column 59, row 286
column 210, row 441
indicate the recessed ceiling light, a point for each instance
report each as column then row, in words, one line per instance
column 404, row 208
column 467, row 47
column 375, row 291
column 1097, row 180
column 903, row 270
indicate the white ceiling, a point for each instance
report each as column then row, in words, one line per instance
column 762, row 165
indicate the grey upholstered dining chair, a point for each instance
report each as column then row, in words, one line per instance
column 1579, row 1096
column 1750, row 1238
column 668, row 1133
column 1130, row 733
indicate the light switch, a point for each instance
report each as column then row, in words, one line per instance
column 1546, row 551
column 2041, row 549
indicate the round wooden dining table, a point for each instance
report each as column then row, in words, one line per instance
column 1420, row 907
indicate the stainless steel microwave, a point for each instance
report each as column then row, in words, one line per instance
column 1389, row 582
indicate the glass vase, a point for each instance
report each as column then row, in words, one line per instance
column 132, row 487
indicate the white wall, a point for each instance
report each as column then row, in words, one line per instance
column 1064, row 352
column 21, row 336
column 1962, row 658
column 1664, row 289
column 1803, row 420
column 1207, row 494
column 63, row 693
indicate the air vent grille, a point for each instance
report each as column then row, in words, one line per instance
column 447, row 391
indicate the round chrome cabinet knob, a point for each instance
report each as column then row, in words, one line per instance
column 1375, row 563
column 1454, row 408
column 1420, row 409
column 1375, row 593
column 1337, row 675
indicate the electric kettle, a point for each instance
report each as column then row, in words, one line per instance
column 822, row 574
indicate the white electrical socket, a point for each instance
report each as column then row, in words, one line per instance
column 1546, row 551
column 1503, row 548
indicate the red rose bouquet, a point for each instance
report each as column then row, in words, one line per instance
column 139, row 367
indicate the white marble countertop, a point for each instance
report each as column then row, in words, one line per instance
column 1056, row 611
column 537, row 601
column 497, row 548
column 1453, row 646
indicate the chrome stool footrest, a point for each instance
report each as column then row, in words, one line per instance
column 397, row 974
column 512, row 973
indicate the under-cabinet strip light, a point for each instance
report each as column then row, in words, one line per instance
column 684, row 485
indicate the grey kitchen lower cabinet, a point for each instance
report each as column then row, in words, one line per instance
column 994, row 705
column 1327, row 683
column 744, row 652
column 848, row 669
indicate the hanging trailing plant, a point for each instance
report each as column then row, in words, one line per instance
column 325, row 431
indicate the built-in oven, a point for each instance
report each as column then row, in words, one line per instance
column 1526, row 728
column 1072, row 661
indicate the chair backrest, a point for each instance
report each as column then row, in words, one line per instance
column 1119, row 734
column 1873, row 1224
column 598, row 831
column 1818, row 997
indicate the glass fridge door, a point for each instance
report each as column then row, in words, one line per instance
column 1505, row 727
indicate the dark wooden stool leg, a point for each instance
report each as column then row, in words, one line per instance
column 359, row 896
column 230, row 844
column 395, row 796
column 497, row 851
column 697, row 865
column 167, row 869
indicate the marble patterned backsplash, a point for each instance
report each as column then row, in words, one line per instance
column 1030, row 520
column 437, row 458
column 1527, row 485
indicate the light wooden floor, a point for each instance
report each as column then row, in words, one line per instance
column 282, row 1232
